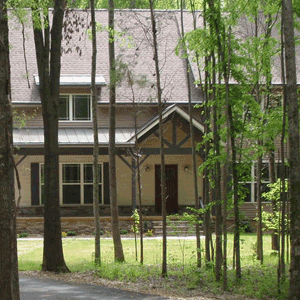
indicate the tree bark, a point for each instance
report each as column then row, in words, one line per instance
column 293, row 121
column 9, row 278
column 194, row 161
column 95, row 148
column 275, row 233
column 161, row 138
column 259, row 209
column 118, row 249
column 49, row 74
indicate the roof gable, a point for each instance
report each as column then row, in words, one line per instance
column 150, row 125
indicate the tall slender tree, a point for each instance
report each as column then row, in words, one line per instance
column 119, row 254
column 293, row 122
column 95, row 130
column 48, row 54
column 9, row 278
column 161, row 138
column 194, row 160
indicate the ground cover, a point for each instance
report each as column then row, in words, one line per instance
column 184, row 277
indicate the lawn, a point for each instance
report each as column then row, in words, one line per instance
column 258, row 281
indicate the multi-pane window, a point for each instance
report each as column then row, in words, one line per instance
column 248, row 180
column 76, row 183
column 75, row 108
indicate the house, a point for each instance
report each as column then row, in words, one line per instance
column 134, row 55
column 137, row 97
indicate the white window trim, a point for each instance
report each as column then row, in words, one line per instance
column 81, row 183
column 253, row 180
column 71, row 118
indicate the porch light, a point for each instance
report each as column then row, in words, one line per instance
column 186, row 168
column 147, row 168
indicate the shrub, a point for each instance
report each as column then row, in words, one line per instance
column 23, row 235
column 71, row 233
column 124, row 231
column 63, row 234
column 101, row 232
column 149, row 232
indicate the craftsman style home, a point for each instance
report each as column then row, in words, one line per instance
column 136, row 116
column 136, row 104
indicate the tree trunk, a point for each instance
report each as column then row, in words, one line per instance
column 275, row 233
column 9, row 278
column 293, row 119
column 161, row 138
column 281, row 263
column 194, row 161
column 259, row 209
column 53, row 259
column 95, row 148
column 225, row 192
column 119, row 255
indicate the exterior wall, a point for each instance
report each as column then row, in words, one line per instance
column 185, row 179
column 24, row 168
column 124, row 117
column 124, row 178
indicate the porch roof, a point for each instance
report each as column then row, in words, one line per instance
column 72, row 137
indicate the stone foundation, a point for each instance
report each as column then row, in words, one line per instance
column 82, row 211
column 81, row 225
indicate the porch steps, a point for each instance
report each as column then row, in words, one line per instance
column 175, row 228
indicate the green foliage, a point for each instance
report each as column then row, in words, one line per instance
column 257, row 282
column 271, row 220
column 21, row 118
column 275, row 190
column 141, row 4
column 136, row 221
column 71, row 233
column 23, row 234
column 149, row 232
column 101, row 232
column 123, row 231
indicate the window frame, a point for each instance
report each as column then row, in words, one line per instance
column 72, row 107
column 81, row 182
column 253, row 182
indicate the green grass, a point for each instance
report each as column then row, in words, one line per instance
column 258, row 281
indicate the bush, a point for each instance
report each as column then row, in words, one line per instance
column 63, row 234
column 246, row 226
column 101, row 232
column 124, row 231
column 149, row 232
column 23, row 235
column 71, row 233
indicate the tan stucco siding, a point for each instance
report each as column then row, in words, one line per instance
column 124, row 177
column 24, row 168
column 185, row 179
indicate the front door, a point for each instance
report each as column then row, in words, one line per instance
column 171, row 189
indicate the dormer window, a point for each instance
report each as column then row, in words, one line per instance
column 75, row 108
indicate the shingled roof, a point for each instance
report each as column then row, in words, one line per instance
column 134, row 52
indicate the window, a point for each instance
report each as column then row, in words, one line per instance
column 248, row 181
column 76, row 183
column 75, row 108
